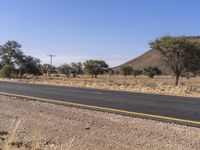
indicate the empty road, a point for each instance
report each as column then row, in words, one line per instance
column 168, row 106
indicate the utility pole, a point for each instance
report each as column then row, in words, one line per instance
column 51, row 61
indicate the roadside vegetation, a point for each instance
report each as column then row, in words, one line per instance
column 151, row 71
column 182, row 55
column 14, row 63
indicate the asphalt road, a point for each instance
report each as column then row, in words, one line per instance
column 168, row 106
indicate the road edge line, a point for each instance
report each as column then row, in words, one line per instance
column 103, row 108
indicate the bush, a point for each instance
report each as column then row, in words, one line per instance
column 136, row 72
column 151, row 71
column 76, row 69
column 127, row 70
column 65, row 69
column 7, row 71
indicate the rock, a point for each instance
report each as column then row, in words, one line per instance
column 86, row 128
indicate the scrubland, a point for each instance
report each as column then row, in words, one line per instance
column 157, row 85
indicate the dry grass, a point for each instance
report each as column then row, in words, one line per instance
column 11, row 138
column 158, row 85
column 11, row 143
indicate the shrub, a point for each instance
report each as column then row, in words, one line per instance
column 151, row 71
column 76, row 69
column 7, row 71
column 65, row 69
column 136, row 72
column 127, row 70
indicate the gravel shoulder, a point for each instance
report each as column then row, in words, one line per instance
column 35, row 125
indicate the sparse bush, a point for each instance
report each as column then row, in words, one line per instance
column 152, row 85
column 7, row 71
column 126, row 70
column 110, row 71
column 65, row 69
column 151, row 71
column 45, row 69
column 136, row 72
column 76, row 69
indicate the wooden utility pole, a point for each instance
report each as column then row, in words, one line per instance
column 51, row 62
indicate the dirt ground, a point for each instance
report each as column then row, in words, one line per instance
column 42, row 126
column 158, row 85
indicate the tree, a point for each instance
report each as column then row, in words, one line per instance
column 65, row 69
column 95, row 67
column 126, row 70
column 6, row 71
column 20, row 63
column 12, row 55
column 76, row 69
column 151, row 71
column 28, row 65
column 9, row 52
column 136, row 72
column 182, row 53
column 47, row 68
column 31, row 65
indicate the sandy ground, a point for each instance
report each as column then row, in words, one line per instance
column 158, row 85
column 35, row 125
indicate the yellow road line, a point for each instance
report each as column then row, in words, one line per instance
column 104, row 109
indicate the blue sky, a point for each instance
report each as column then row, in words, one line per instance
column 112, row 30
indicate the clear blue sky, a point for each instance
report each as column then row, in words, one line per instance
column 113, row 30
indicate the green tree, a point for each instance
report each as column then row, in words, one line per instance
column 136, row 72
column 95, row 67
column 12, row 55
column 65, row 69
column 182, row 53
column 76, row 69
column 6, row 71
column 126, row 70
column 31, row 65
column 151, row 71
column 20, row 63
column 28, row 65
column 9, row 52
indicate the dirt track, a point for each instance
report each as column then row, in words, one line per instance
column 36, row 125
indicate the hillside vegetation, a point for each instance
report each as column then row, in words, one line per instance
column 177, row 56
column 153, row 57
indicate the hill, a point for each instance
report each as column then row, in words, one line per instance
column 150, row 58
column 153, row 58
